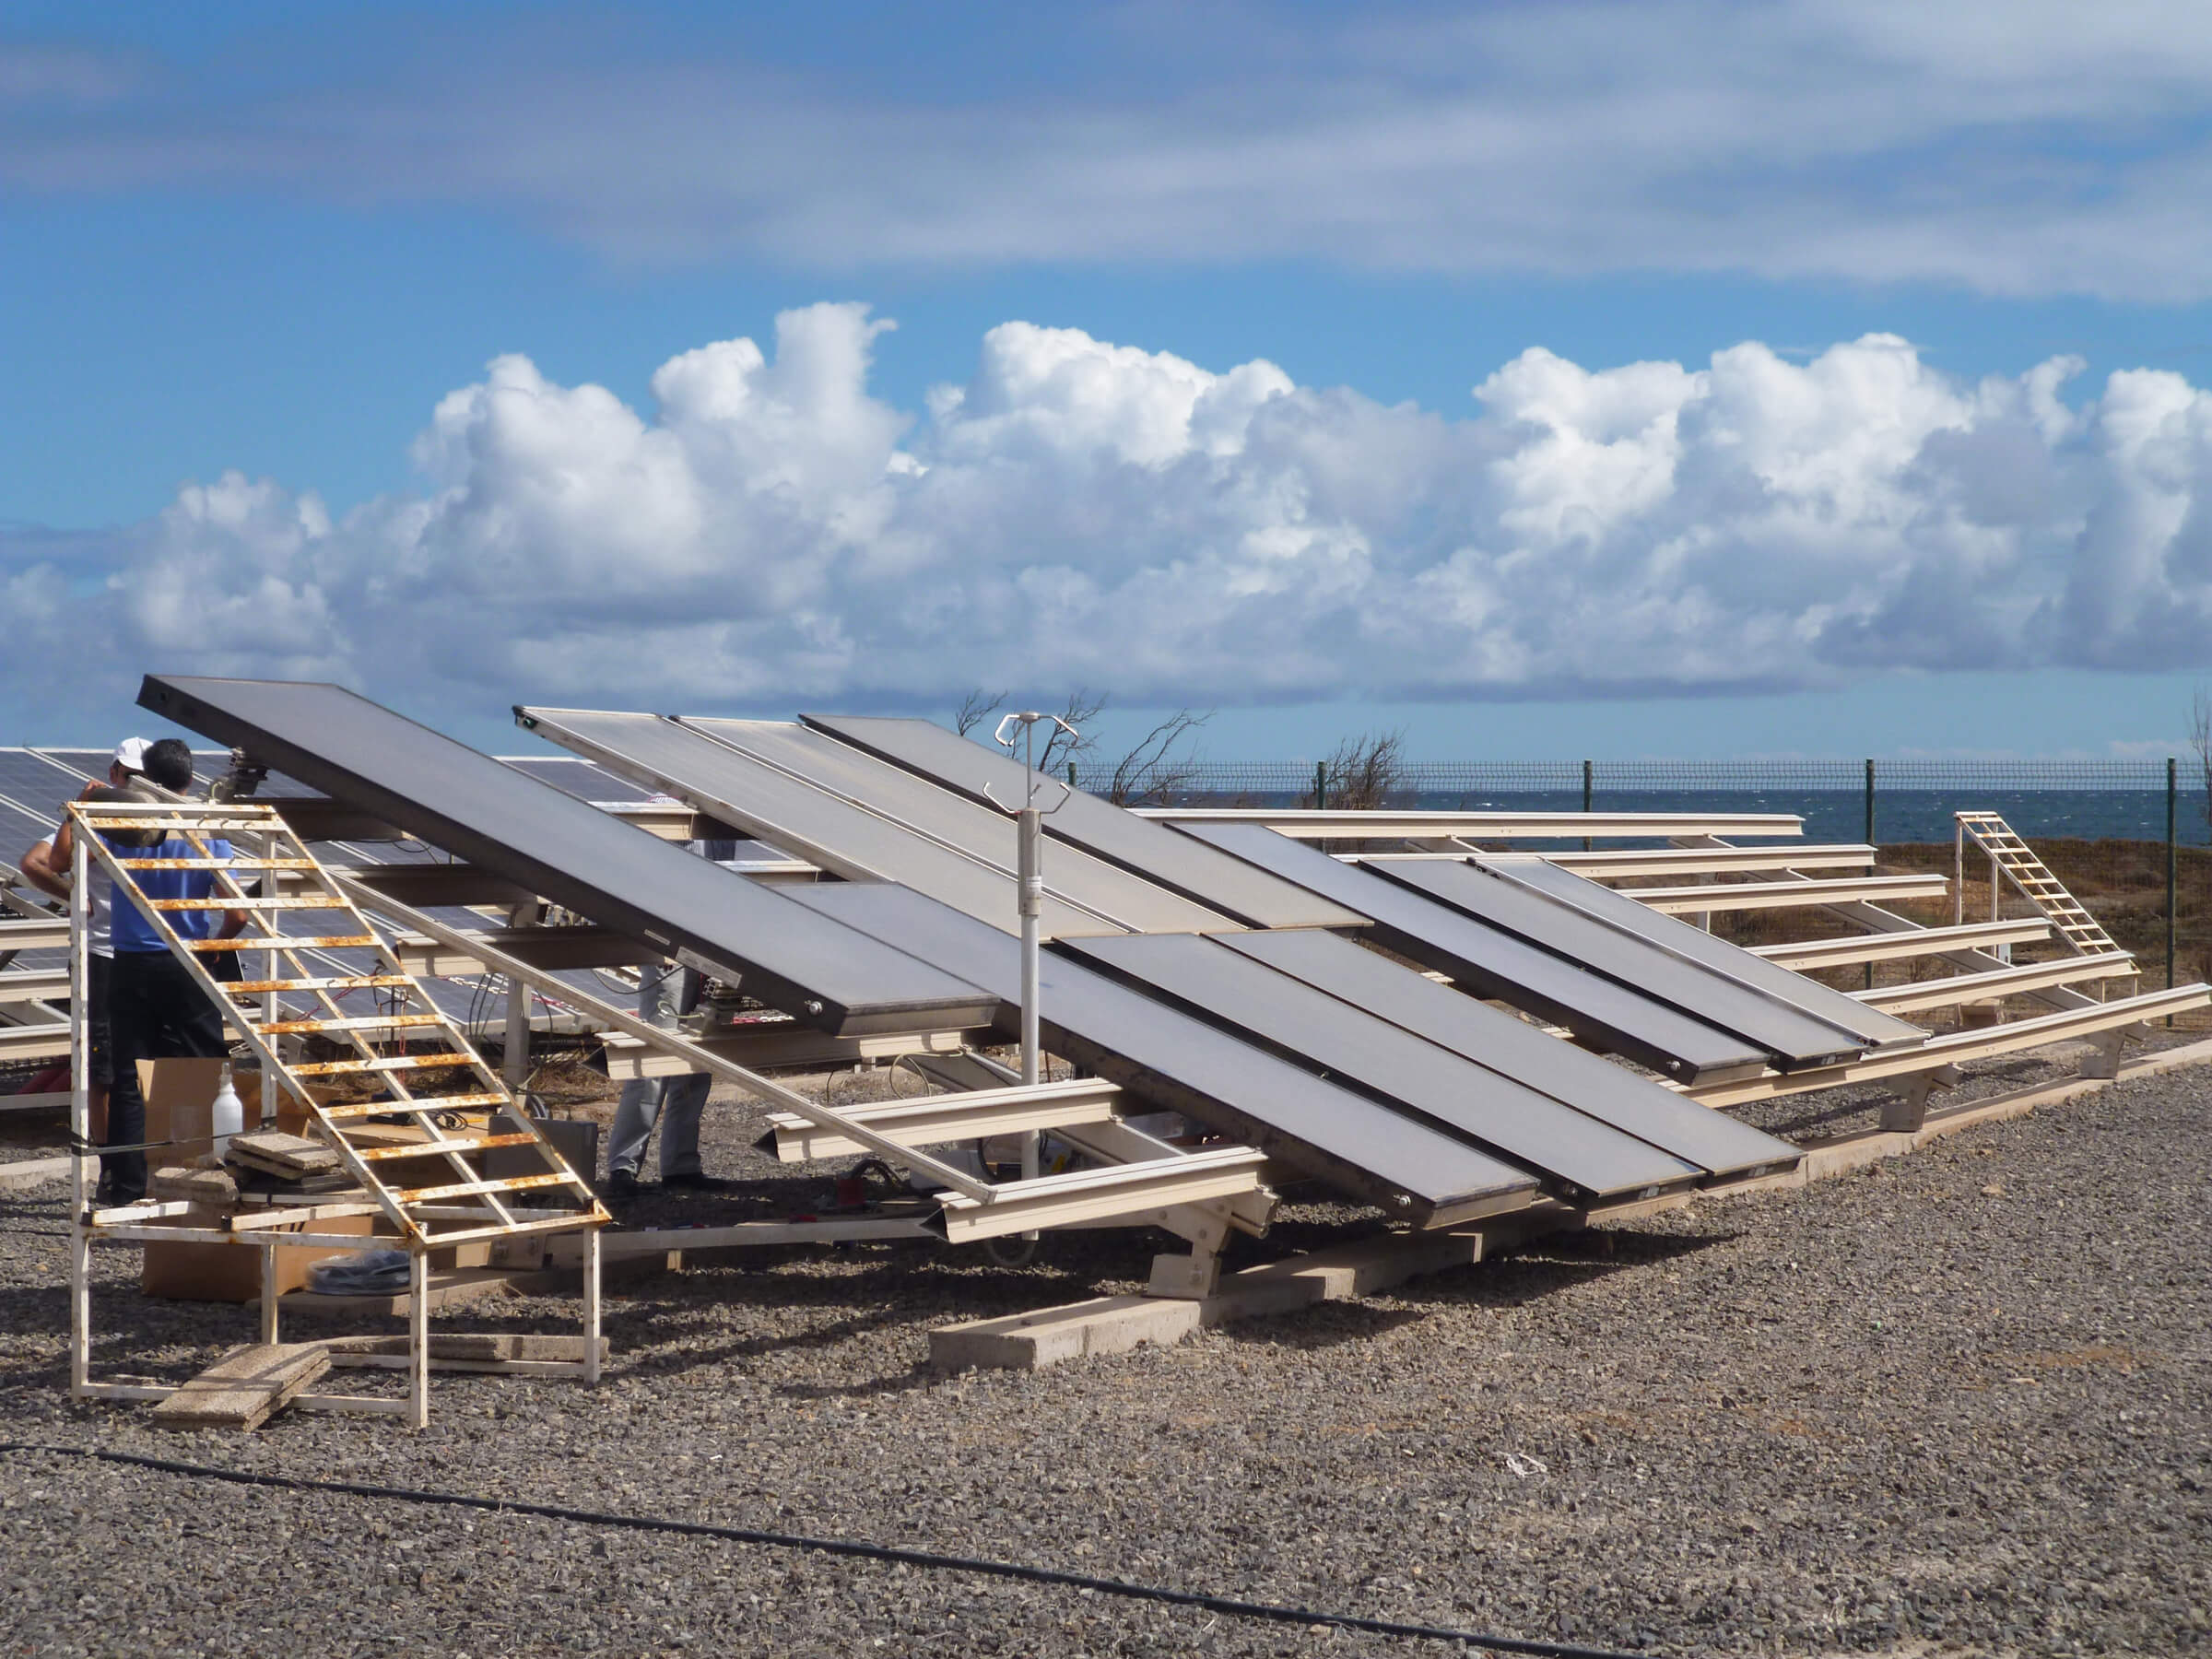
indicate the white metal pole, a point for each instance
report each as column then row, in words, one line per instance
column 80, row 1110
column 1030, row 868
column 591, row 1304
column 419, row 1336
column 270, row 850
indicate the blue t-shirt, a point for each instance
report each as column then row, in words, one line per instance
column 134, row 935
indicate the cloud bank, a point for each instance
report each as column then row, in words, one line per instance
column 774, row 535
column 2035, row 147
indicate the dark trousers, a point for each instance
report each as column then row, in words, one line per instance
column 154, row 1011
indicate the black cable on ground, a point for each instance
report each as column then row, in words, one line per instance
column 838, row 1546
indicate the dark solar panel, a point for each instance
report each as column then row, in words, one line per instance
column 529, row 832
column 1363, row 1051
column 574, row 775
column 1164, row 1055
column 1693, row 944
column 1496, row 964
column 1792, row 1039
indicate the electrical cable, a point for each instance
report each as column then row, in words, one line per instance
column 838, row 1546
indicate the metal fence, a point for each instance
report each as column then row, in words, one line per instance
column 2132, row 839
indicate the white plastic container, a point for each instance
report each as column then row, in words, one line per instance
column 230, row 1113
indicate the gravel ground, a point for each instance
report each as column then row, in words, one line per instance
column 1956, row 1404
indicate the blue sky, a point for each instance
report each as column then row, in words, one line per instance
column 1277, row 359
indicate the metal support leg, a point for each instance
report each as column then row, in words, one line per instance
column 591, row 1304
column 80, row 1114
column 418, row 1338
column 268, row 1292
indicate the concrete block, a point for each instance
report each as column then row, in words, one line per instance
column 1105, row 1325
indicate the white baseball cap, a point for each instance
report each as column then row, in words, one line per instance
column 130, row 754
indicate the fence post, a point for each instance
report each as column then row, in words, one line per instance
column 2172, row 862
column 1321, row 785
column 1589, row 782
column 1870, row 841
column 1071, row 774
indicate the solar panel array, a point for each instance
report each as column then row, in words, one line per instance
column 36, row 784
column 898, row 805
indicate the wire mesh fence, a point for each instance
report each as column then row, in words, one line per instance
column 2131, row 839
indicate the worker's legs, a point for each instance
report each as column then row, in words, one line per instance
column 133, row 1036
column 682, row 1103
column 634, row 1118
column 191, row 1024
column 102, row 1074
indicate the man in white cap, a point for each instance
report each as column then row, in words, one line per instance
column 143, row 1004
column 46, row 866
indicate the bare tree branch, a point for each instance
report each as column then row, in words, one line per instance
column 1364, row 772
column 1081, row 708
column 975, row 708
column 2200, row 741
column 1151, row 772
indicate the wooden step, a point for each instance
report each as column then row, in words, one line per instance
column 287, row 942
column 217, row 864
column 459, row 1143
column 420, row 1103
column 244, row 1388
column 363, row 1022
column 365, row 982
column 388, row 1063
column 464, row 1189
column 304, row 901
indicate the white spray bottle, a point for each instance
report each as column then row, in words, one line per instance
column 229, row 1114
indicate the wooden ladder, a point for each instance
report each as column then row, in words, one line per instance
column 430, row 1191
column 2007, row 853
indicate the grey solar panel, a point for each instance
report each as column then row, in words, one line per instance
column 1165, row 1056
column 1496, row 964
column 982, row 832
column 1572, row 1076
column 571, row 774
column 761, row 800
column 1358, row 1048
column 1792, row 1039
column 1158, row 855
column 1679, row 937
column 826, row 975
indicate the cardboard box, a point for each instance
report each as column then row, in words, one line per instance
column 180, row 1106
column 232, row 1272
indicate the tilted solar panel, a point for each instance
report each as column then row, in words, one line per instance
column 1792, row 1039
column 1496, row 964
column 1358, row 1048
column 1158, row 855
column 1694, row 943
column 820, row 972
column 1572, row 1076
column 1163, row 1055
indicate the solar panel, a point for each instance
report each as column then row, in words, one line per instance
column 1157, row 853
column 982, row 832
column 761, row 800
column 571, row 774
column 1574, row 1076
column 1496, row 964
column 822, row 973
column 1181, row 1063
column 1791, row 1039
column 1694, row 943
column 1353, row 1046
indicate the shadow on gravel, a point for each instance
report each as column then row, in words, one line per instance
column 1563, row 1261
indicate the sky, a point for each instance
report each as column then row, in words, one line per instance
column 1559, row 379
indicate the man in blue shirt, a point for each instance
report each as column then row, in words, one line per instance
column 155, row 1008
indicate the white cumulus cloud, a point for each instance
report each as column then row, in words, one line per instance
column 772, row 534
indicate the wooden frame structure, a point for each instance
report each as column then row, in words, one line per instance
column 420, row 1220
